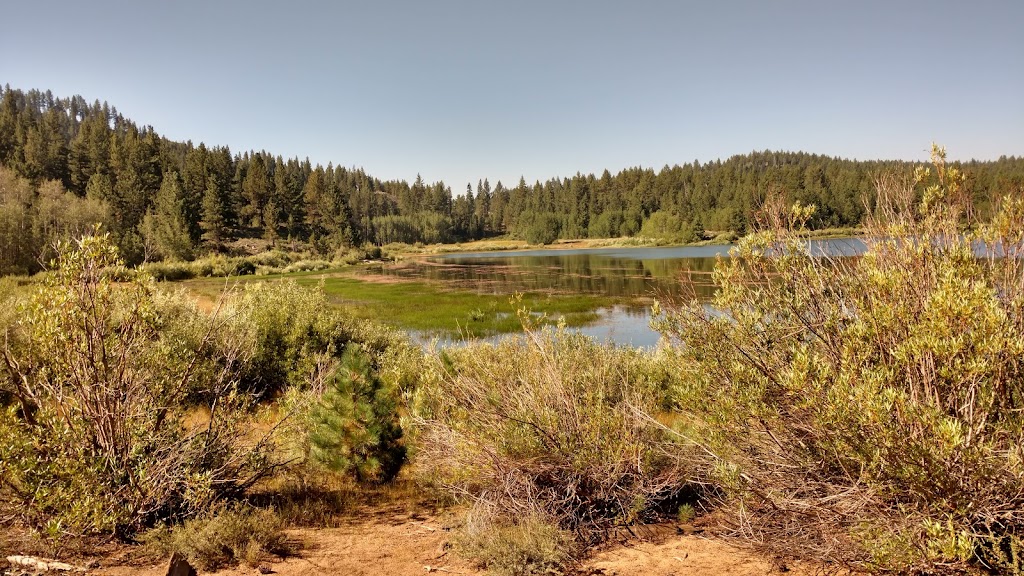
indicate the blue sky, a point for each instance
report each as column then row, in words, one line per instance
column 460, row 90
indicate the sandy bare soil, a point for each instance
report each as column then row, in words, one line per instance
column 414, row 544
column 395, row 531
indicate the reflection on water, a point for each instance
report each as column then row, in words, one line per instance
column 618, row 272
column 614, row 272
column 621, row 325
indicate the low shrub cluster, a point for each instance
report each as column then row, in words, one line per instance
column 219, row 265
column 549, row 428
column 124, row 405
column 228, row 536
column 262, row 263
column 870, row 409
column 92, row 438
column 516, row 546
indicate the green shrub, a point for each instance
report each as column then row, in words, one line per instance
column 671, row 227
column 95, row 438
column 243, row 267
column 170, row 271
column 354, row 426
column 292, row 332
column 870, row 410
column 555, row 424
column 306, row 266
column 233, row 535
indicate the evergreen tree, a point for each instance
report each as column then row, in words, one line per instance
column 165, row 227
column 271, row 216
column 255, row 191
column 354, row 428
column 213, row 223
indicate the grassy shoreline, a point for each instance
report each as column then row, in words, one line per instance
column 427, row 307
column 506, row 244
column 435, row 308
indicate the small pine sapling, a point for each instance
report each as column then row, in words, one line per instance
column 354, row 428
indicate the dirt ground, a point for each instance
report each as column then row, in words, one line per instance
column 396, row 531
column 408, row 544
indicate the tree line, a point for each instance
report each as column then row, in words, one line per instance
column 173, row 200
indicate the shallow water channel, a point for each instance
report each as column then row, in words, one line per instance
column 635, row 275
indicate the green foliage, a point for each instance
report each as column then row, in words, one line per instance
column 354, row 427
column 872, row 407
column 218, row 265
column 668, row 226
column 215, row 540
column 554, row 426
column 165, row 227
column 543, row 230
column 291, row 331
column 257, row 195
column 95, row 439
column 34, row 217
column 608, row 224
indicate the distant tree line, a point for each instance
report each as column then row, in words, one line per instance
column 173, row 200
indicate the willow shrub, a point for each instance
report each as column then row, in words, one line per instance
column 296, row 337
column 93, row 436
column 552, row 427
column 870, row 410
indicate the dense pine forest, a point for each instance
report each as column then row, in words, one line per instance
column 66, row 163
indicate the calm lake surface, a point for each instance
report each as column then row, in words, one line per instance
column 638, row 275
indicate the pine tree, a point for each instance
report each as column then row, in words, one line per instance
column 354, row 429
column 271, row 219
column 213, row 223
column 165, row 227
column 255, row 189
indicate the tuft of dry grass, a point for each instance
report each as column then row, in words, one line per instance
column 516, row 547
column 229, row 536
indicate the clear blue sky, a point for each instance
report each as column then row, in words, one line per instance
column 464, row 89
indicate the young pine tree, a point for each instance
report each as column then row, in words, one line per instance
column 354, row 428
column 165, row 226
column 213, row 222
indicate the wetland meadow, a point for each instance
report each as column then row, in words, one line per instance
column 450, row 298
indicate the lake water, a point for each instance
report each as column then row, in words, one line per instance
column 638, row 275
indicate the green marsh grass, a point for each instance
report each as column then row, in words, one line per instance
column 428, row 307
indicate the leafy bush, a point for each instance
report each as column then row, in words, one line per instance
column 296, row 337
column 870, row 410
column 553, row 427
column 292, row 333
column 306, row 266
column 94, row 439
column 235, row 534
column 171, row 270
column 354, row 426
column 672, row 227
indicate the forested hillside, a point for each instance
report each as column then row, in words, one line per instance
column 65, row 162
